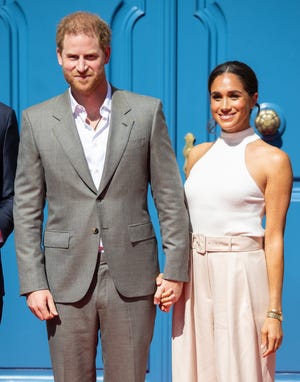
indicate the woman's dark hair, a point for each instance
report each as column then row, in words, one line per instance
column 242, row 70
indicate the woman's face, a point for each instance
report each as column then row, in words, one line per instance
column 230, row 103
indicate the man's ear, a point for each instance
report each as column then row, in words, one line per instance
column 107, row 51
column 58, row 55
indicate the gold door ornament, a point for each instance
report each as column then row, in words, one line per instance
column 267, row 122
column 189, row 144
column 270, row 122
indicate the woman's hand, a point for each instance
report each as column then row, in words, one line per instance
column 271, row 336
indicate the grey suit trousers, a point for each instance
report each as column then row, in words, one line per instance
column 126, row 329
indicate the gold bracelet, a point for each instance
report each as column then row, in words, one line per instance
column 275, row 311
column 275, row 314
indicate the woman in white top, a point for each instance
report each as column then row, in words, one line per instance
column 227, row 324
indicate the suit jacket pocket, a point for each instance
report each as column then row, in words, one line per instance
column 141, row 232
column 56, row 239
column 136, row 143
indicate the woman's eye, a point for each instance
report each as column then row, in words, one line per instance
column 235, row 96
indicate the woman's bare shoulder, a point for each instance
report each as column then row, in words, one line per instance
column 269, row 159
column 196, row 153
column 269, row 153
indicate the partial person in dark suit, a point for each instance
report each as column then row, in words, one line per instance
column 92, row 153
column 9, row 141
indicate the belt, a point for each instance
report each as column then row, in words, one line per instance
column 202, row 244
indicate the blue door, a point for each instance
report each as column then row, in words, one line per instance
column 164, row 48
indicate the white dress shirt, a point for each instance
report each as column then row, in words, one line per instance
column 94, row 141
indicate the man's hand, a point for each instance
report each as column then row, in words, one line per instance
column 41, row 304
column 167, row 293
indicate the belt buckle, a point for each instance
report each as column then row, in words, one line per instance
column 230, row 243
column 199, row 244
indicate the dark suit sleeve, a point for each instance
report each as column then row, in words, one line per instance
column 9, row 151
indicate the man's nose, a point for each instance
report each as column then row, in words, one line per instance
column 81, row 65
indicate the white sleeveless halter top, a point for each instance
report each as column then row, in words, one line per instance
column 222, row 196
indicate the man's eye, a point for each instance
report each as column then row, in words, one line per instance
column 91, row 57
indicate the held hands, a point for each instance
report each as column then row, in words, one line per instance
column 271, row 336
column 167, row 293
column 41, row 304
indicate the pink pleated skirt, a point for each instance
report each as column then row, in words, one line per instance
column 217, row 321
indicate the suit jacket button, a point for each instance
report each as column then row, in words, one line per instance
column 95, row 231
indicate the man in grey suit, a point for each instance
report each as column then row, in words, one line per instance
column 91, row 154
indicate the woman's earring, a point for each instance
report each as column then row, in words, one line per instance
column 211, row 126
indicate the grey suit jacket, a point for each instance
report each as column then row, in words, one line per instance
column 62, row 254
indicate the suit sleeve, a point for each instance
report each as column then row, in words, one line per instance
column 168, row 195
column 9, row 163
column 29, row 205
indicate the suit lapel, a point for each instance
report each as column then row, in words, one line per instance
column 66, row 133
column 120, row 128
